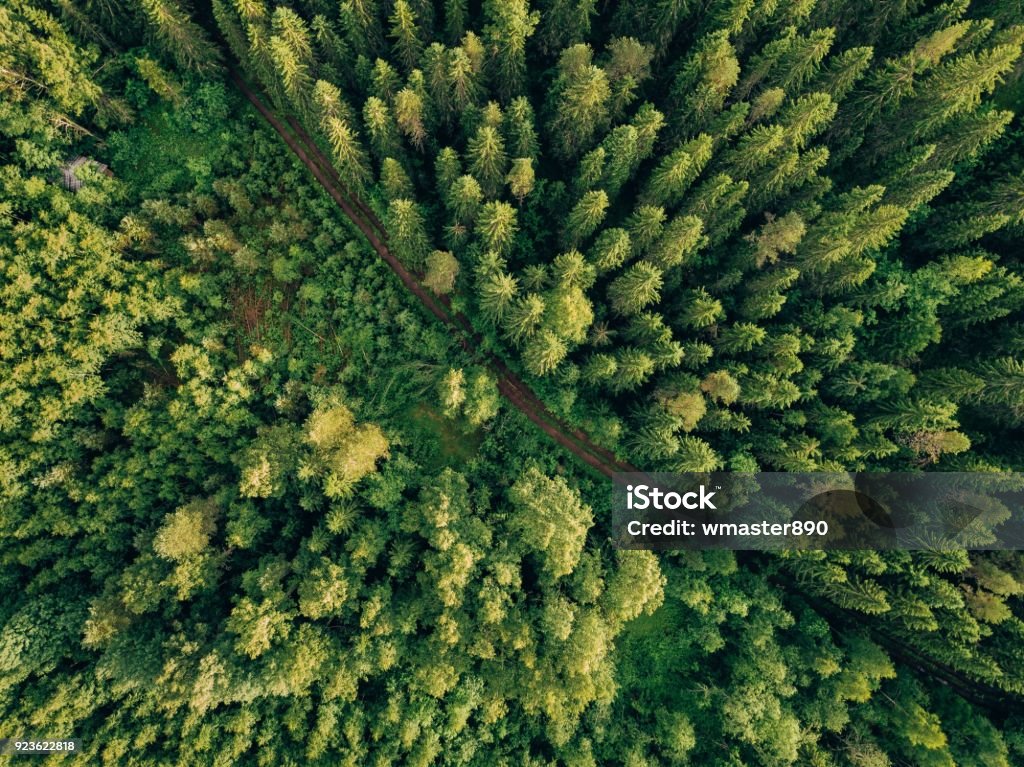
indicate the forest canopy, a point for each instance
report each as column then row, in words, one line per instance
column 321, row 322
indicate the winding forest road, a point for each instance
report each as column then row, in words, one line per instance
column 509, row 384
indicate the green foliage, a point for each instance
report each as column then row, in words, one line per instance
column 257, row 507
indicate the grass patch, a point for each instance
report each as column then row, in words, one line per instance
column 453, row 441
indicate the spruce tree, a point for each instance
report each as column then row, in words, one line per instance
column 522, row 321
column 585, row 217
column 510, row 24
column 408, row 233
column 406, row 35
column 610, row 250
column 488, row 160
column 578, row 102
column 676, row 171
column 635, row 288
column 179, row 37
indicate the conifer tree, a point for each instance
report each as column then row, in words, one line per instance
column 590, row 171
column 610, row 250
column 521, row 178
column 386, row 81
column 843, row 72
column 497, row 226
column 738, row 337
column 435, row 62
column 968, row 134
column 677, row 242
column 572, row 270
column 536, row 276
column 645, row 226
column 361, row 21
column 578, row 102
column 336, row 119
column 381, row 128
column 754, row 150
column 599, row 368
column 291, row 49
column 496, row 296
column 447, row 170
column 701, row 309
column 564, row 22
column 406, row 34
column 585, row 217
column 522, row 321
column 655, row 23
column 695, row 455
column 410, row 115
column 676, row 172
column 703, row 83
column 622, row 150
column 233, row 29
column 718, row 202
column 333, row 50
column 180, row 37
column 789, row 61
column 520, row 129
column 959, row 85
column 159, row 80
column 464, row 199
column 487, row 159
column 462, row 81
column 652, row 436
column 635, row 288
column 408, row 233
column 510, row 23
column 648, row 122
column 1004, row 387
column 543, row 352
column 633, row 368
column 456, row 13
column 628, row 66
